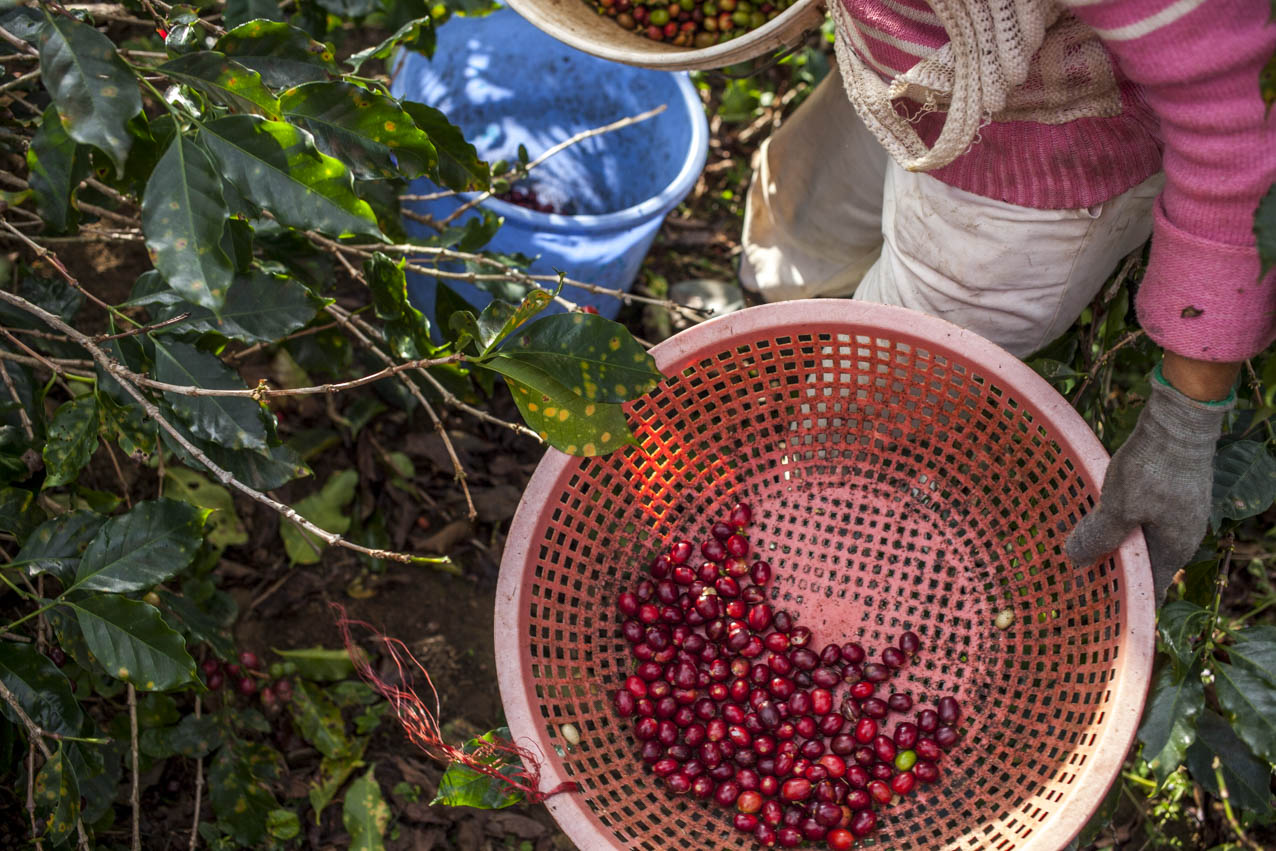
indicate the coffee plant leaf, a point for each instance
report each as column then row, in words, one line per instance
column 326, row 510
column 234, row 422
column 459, row 167
column 282, row 54
column 1250, row 704
column 191, row 737
column 183, row 217
column 138, row 550
column 225, row 529
column 1255, row 648
column 1169, row 719
column 462, row 786
column 224, row 81
column 283, row 824
column 185, row 35
column 562, row 419
column 44, row 692
column 23, row 22
column 368, row 132
column 333, row 773
column 56, row 164
column 94, row 90
column 1244, row 481
column 1248, row 779
column 98, row 769
column 238, row 788
column 200, row 624
column 259, row 308
column 132, row 643
column 132, row 430
column 349, row 8
column 499, row 319
column 57, row 795
column 56, row 545
column 19, row 513
column 365, row 813
column 72, row 440
column 1179, row 623
column 241, row 11
column 598, row 359
column 320, row 664
column 277, row 167
column 1265, row 230
column 416, row 35
column 275, row 467
column 319, row 721
column 406, row 328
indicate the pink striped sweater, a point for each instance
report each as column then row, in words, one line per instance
column 1187, row 76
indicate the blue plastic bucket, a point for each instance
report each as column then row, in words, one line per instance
column 506, row 83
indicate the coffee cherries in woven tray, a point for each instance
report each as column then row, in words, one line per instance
column 690, row 23
column 734, row 703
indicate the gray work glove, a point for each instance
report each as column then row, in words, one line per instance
column 1161, row 478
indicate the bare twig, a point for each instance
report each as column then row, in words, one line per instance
column 31, row 353
column 103, row 213
column 61, row 366
column 35, row 831
column 18, row 81
column 36, row 736
column 256, row 347
column 119, row 474
column 83, row 236
column 134, row 797
column 109, row 190
column 18, row 43
column 124, row 376
column 199, row 786
column 22, row 409
column 1098, row 364
column 145, row 329
column 350, row 321
column 566, row 143
column 52, row 259
column 450, row 399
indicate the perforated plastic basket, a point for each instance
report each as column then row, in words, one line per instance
column 905, row 474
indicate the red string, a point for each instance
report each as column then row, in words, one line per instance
column 421, row 722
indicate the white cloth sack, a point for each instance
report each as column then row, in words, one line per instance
column 830, row 214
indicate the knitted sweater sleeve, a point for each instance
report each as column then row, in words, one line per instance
column 1198, row 62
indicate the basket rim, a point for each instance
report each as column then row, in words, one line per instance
column 772, row 35
column 1133, row 669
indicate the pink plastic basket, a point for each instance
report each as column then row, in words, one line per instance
column 905, row 474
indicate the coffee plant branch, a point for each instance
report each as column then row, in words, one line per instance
column 126, row 378
column 37, row 736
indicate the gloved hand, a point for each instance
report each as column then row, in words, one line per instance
column 1161, row 478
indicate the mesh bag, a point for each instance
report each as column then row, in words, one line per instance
column 904, row 474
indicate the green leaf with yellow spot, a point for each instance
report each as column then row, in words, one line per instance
column 326, row 510
column 281, row 53
column 57, row 796
column 459, row 166
column 40, row 688
column 225, row 529
column 319, row 721
column 500, row 319
column 56, row 165
column 191, row 737
column 566, row 421
column 183, row 218
column 365, row 814
column 320, row 664
column 259, row 308
column 283, row 824
column 416, row 35
column 72, row 440
column 277, row 167
column 224, row 81
column 56, row 546
column 239, row 776
column 231, row 421
column 596, row 358
column 136, row 551
column 406, row 328
column 333, row 773
column 131, row 642
column 94, row 90
column 368, row 132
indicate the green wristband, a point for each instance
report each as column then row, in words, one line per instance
column 1228, row 401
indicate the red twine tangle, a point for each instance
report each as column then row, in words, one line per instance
column 421, row 723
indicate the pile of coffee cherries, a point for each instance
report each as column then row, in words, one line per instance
column 691, row 23
column 731, row 701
